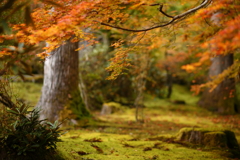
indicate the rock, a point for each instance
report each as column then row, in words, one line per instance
column 111, row 107
column 73, row 121
column 210, row 138
column 106, row 109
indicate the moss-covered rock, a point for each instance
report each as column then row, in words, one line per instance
column 215, row 139
column 111, row 107
column 209, row 138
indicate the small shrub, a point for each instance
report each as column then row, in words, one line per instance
column 27, row 137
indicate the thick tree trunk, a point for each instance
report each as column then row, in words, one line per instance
column 218, row 100
column 60, row 89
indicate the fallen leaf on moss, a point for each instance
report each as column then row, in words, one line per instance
column 82, row 153
column 93, row 140
column 98, row 149
column 147, row 149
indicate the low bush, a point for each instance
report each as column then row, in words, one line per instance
column 23, row 136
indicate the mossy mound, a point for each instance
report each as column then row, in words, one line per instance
column 209, row 138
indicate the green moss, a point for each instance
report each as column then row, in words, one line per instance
column 182, row 93
column 209, row 137
column 78, row 107
column 26, row 91
column 120, row 131
column 113, row 104
column 215, row 139
column 119, row 147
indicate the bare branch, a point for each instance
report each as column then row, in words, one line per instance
column 155, row 4
column 160, row 9
column 174, row 18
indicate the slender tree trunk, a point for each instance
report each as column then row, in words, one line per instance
column 218, row 100
column 169, row 83
column 83, row 55
column 60, row 89
column 84, row 93
column 141, row 80
column 138, row 103
column 169, row 78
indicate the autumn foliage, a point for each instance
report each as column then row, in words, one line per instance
column 54, row 22
column 219, row 27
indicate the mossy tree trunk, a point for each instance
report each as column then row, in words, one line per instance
column 60, row 90
column 219, row 100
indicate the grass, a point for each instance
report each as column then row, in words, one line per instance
column 118, row 136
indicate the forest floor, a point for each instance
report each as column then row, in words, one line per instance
column 119, row 137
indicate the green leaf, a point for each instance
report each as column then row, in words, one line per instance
column 15, row 124
column 49, row 123
column 22, row 108
column 35, row 145
column 55, row 125
column 14, row 112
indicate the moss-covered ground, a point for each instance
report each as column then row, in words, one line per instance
column 119, row 137
column 27, row 92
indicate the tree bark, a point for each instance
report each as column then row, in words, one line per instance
column 60, row 90
column 218, row 100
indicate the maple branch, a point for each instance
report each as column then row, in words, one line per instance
column 155, row 4
column 173, row 18
column 160, row 9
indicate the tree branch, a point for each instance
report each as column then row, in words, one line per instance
column 174, row 18
column 160, row 9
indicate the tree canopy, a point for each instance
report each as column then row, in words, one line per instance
column 55, row 22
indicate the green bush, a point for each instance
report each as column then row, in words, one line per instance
column 27, row 137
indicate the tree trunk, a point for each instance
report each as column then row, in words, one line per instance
column 141, row 80
column 218, row 100
column 169, row 78
column 86, row 49
column 60, row 92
